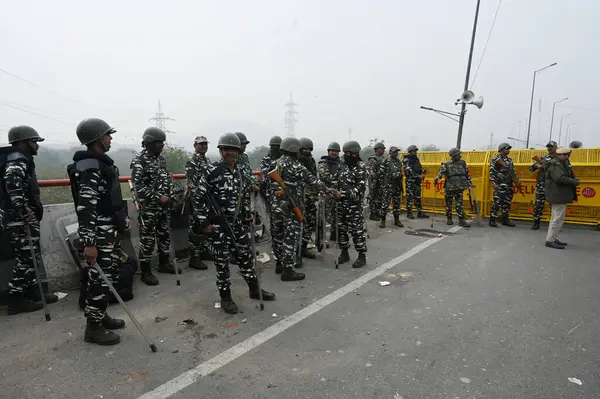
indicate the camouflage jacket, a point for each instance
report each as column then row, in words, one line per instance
column 196, row 165
column 546, row 158
column 226, row 187
column 457, row 177
column 267, row 187
column 390, row 172
column 20, row 190
column 295, row 176
column 243, row 164
column 412, row 167
column 373, row 167
column 353, row 182
column 503, row 174
column 150, row 179
column 329, row 170
column 309, row 162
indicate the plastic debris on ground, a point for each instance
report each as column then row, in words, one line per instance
column 217, row 305
column 163, row 340
column 61, row 295
column 188, row 322
column 158, row 319
column 384, row 283
column 263, row 258
column 274, row 314
column 244, row 320
column 575, row 380
column 231, row 325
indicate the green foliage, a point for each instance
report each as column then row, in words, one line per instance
column 368, row 151
column 176, row 158
column 429, row 147
column 256, row 155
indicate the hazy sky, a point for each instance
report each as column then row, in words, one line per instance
column 223, row 66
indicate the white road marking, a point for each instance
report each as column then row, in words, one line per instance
column 186, row 379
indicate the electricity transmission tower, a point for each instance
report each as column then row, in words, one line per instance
column 161, row 120
column 290, row 117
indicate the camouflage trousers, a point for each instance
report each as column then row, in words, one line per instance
column 375, row 200
column 286, row 235
column 154, row 231
column 540, row 201
column 457, row 196
column 330, row 215
column 352, row 223
column 413, row 195
column 196, row 246
column 109, row 260
column 223, row 246
column 502, row 199
column 23, row 273
column 393, row 193
column 310, row 221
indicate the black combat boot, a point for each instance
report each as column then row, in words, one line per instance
column 289, row 274
column 307, row 253
column 332, row 235
column 382, row 223
column 196, row 263
column 449, row 222
column 422, row 215
column 536, row 225
column 361, row 261
column 554, row 244
column 165, row 265
column 147, row 276
column 96, row 333
column 375, row 217
column 508, row 222
column 344, row 256
column 206, row 255
column 397, row 221
column 492, row 222
column 409, row 214
column 112, row 324
column 17, row 303
column 278, row 267
column 227, row 303
column 463, row 223
column 254, row 294
column 33, row 293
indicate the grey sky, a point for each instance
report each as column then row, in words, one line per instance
column 226, row 66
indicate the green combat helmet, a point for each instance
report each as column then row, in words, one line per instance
column 576, row 144
column 291, row 144
column 153, row 134
column 20, row 133
column 242, row 137
column 334, row 146
column 412, row 148
column 378, row 146
column 454, row 152
column 306, row 143
column 229, row 140
column 504, row 146
column 275, row 141
column 351, row 146
column 91, row 129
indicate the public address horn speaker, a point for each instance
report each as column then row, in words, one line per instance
column 468, row 97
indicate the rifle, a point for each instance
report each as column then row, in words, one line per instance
column 186, row 197
column 512, row 177
column 274, row 174
column 215, row 210
column 135, row 199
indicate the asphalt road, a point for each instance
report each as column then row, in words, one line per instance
column 481, row 313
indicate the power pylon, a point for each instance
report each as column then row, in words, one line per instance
column 161, row 120
column 290, row 117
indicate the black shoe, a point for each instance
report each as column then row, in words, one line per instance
column 554, row 244
column 536, row 225
column 206, row 255
column 463, row 223
column 307, row 253
column 450, row 222
column 344, row 257
column 361, row 261
column 17, row 303
column 166, row 266
column 333, row 235
column 96, row 333
column 227, row 303
column 410, row 215
column 112, row 324
column 422, row 215
column 33, row 293
column 196, row 263
column 382, row 223
column 254, row 294
column 397, row 221
column 290, row 274
column 559, row 242
column 492, row 222
column 278, row 267
column 149, row 279
column 508, row 222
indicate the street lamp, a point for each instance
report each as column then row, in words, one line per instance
column 443, row 113
column 567, row 135
column 560, row 130
column 531, row 104
column 552, row 121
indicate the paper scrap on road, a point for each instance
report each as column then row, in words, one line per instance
column 465, row 380
column 61, row 295
column 263, row 258
column 575, row 380
column 384, row 283
column 217, row 305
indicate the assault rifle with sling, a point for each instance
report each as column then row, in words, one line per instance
column 512, row 177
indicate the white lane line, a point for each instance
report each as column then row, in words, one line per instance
column 186, row 379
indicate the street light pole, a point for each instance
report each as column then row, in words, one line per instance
column 560, row 130
column 461, row 118
column 531, row 104
column 552, row 121
column 568, row 132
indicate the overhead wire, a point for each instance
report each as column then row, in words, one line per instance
column 486, row 44
column 33, row 113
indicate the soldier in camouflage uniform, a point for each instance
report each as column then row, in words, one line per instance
column 414, row 177
column 286, row 227
column 310, row 197
column 390, row 183
column 20, row 205
column 217, row 203
column 457, row 179
column 153, row 187
column 540, row 186
column 328, row 172
column 198, row 243
column 352, row 186
column 267, row 188
column 102, row 215
column 243, row 163
column 502, row 177
column 375, row 190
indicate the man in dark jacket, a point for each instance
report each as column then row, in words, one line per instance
column 560, row 191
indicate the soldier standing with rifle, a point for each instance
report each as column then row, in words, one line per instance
column 291, row 177
column 540, row 186
column 414, row 177
column 21, row 209
column 390, row 185
column 102, row 216
column 328, row 171
column 152, row 185
column 502, row 175
column 198, row 243
column 352, row 184
column 457, row 180
column 375, row 190
column 310, row 198
column 221, row 211
column 267, row 188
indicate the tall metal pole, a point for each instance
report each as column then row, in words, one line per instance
column 461, row 118
column 552, row 121
column 560, row 129
column 531, row 103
